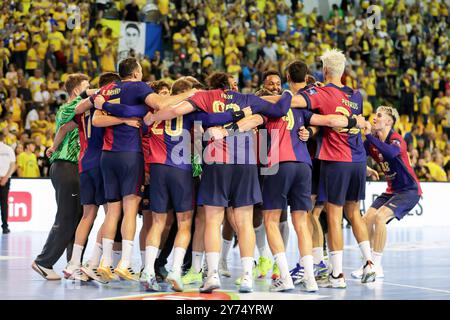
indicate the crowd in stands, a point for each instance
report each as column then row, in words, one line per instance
column 400, row 60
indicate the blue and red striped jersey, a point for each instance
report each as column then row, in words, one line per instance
column 123, row 138
column 91, row 141
column 393, row 158
column 285, row 144
column 170, row 140
column 337, row 144
column 240, row 148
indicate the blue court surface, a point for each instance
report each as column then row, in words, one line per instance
column 416, row 266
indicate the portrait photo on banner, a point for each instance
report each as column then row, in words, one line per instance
column 133, row 37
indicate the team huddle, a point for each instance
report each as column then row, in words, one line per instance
column 219, row 157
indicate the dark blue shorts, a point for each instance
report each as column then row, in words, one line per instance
column 229, row 185
column 342, row 181
column 291, row 185
column 170, row 187
column 400, row 203
column 92, row 190
column 123, row 174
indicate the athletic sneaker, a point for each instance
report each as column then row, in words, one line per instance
column 246, row 285
column 359, row 272
column 369, row 273
column 223, row 269
column 174, row 278
column 254, row 274
column 320, row 271
column 106, row 272
column 309, row 285
column 275, row 272
column 148, row 282
column 297, row 274
column 126, row 274
column 264, row 266
column 70, row 269
column 78, row 275
column 192, row 277
column 282, row 285
column 338, row 282
column 92, row 273
column 46, row 273
column 211, row 283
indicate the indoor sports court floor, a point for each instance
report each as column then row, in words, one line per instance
column 416, row 266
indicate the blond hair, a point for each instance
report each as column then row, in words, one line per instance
column 390, row 111
column 334, row 61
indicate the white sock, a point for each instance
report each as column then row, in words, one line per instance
column 212, row 260
column 197, row 258
column 247, row 266
column 284, row 229
column 178, row 256
column 308, row 264
column 226, row 246
column 377, row 258
column 364, row 246
column 159, row 252
column 107, row 251
column 143, row 258
column 150, row 257
column 260, row 234
column 281, row 261
column 117, row 254
column 96, row 254
column 317, row 254
column 336, row 262
column 127, row 253
column 76, row 254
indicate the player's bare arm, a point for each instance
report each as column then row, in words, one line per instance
column 59, row 137
column 169, row 113
column 101, row 119
column 158, row 102
column 83, row 106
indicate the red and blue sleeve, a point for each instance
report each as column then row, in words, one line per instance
column 268, row 109
column 389, row 151
column 200, row 101
column 312, row 97
column 213, row 119
column 125, row 111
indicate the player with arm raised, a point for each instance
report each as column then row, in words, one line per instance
column 389, row 150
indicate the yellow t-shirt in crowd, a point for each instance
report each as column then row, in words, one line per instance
column 426, row 105
column 436, row 172
column 32, row 59
column 34, row 84
column 27, row 163
column 163, row 6
column 57, row 39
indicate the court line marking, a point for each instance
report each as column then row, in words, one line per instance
column 405, row 286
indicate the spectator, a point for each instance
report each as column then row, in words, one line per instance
column 27, row 165
column 131, row 11
column 7, row 168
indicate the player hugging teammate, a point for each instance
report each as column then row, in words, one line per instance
column 125, row 122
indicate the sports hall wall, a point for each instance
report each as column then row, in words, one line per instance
column 32, row 205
